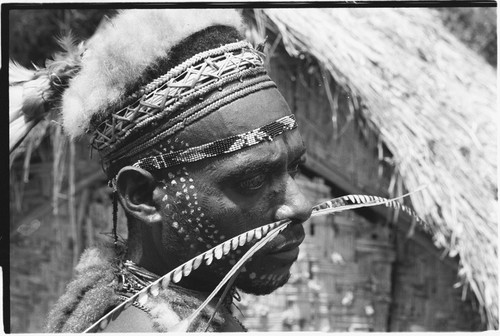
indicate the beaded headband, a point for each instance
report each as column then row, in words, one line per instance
column 223, row 146
column 186, row 93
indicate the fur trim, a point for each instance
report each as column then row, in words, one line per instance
column 120, row 52
column 88, row 295
column 92, row 293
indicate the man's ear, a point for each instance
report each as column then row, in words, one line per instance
column 136, row 188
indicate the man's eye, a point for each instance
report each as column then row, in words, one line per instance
column 253, row 183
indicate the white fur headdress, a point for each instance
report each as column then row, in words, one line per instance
column 119, row 53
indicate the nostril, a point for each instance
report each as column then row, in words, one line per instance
column 283, row 212
column 305, row 212
column 299, row 212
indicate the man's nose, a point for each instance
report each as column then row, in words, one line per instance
column 295, row 205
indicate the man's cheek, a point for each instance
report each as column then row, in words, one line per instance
column 184, row 214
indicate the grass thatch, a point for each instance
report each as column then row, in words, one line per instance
column 433, row 103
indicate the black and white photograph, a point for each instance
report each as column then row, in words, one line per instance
column 251, row 167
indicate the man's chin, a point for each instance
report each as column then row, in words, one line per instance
column 261, row 287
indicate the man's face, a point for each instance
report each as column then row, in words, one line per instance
column 212, row 200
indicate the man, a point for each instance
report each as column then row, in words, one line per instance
column 200, row 147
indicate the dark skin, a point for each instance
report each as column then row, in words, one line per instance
column 186, row 210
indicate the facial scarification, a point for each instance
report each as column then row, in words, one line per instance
column 209, row 201
column 182, row 211
column 199, row 232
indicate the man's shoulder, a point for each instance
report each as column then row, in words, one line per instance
column 132, row 319
column 168, row 309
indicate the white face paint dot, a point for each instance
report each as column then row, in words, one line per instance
column 191, row 187
column 182, row 179
column 173, row 182
column 175, row 225
column 177, row 194
column 252, row 275
column 165, row 198
column 187, row 197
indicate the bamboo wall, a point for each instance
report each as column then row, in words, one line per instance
column 426, row 294
column 45, row 247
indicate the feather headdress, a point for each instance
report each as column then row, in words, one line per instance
column 120, row 52
column 34, row 93
column 87, row 79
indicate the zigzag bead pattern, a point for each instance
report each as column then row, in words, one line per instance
column 205, row 71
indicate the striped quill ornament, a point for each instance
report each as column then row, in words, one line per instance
column 261, row 236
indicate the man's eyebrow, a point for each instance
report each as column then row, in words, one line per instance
column 248, row 167
column 245, row 166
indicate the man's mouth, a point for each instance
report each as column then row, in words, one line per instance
column 289, row 246
column 285, row 254
column 286, row 245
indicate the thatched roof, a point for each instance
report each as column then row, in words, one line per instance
column 433, row 103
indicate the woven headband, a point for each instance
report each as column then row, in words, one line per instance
column 223, row 146
column 186, row 93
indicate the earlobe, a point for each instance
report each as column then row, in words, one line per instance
column 136, row 188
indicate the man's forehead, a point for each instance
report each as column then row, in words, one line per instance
column 243, row 115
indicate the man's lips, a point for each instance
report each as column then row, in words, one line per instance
column 290, row 245
column 286, row 243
